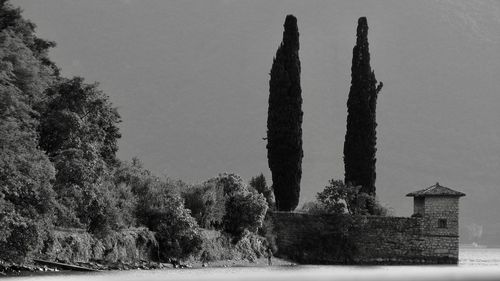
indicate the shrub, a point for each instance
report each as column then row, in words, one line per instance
column 219, row 246
column 194, row 200
column 244, row 210
column 267, row 231
column 260, row 185
column 177, row 233
column 207, row 202
column 105, row 215
column 313, row 207
column 19, row 236
column 338, row 198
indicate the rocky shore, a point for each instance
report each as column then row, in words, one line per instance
column 34, row 268
column 23, row 269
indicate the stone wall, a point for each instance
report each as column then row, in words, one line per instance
column 331, row 239
column 441, row 208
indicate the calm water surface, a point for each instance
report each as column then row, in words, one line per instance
column 475, row 264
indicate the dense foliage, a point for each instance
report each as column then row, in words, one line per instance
column 78, row 131
column 26, row 196
column 79, row 116
column 341, row 199
column 360, row 139
column 244, row 211
column 226, row 203
column 177, row 233
column 259, row 184
column 58, row 164
column 284, row 121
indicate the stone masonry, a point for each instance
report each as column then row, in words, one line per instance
column 430, row 236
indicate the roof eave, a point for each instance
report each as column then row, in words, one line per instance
column 435, row 195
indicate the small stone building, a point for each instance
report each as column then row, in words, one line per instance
column 438, row 207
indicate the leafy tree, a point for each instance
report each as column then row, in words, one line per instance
column 26, row 174
column 80, row 115
column 125, row 203
column 216, row 191
column 260, row 185
column 339, row 198
column 284, row 121
column 244, row 210
column 11, row 20
column 79, row 132
column 313, row 207
column 80, row 176
column 226, row 203
column 360, row 139
column 194, row 201
column 25, row 171
column 177, row 233
column 135, row 176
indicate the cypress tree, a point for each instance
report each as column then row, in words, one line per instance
column 360, row 140
column 284, row 122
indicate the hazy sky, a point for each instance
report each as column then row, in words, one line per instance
column 190, row 79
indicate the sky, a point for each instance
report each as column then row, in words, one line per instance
column 190, row 79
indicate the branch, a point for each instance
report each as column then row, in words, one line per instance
column 379, row 87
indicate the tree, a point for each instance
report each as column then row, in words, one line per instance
column 244, row 210
column 260, row 185
column 207, row 202
column 338, row 198
column 284, row 121
column 360, row 139
column 163, row 212
column 12, row 21
column 78, row 115
column 79, row 132
column 26, row 195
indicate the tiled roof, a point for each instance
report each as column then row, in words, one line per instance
column 436, row 190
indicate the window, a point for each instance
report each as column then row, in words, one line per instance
column 442, row 223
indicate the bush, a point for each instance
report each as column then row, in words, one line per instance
column 244, row 211
column 194, row 200
column 208, row 201
column 105, row 216
column 338, row 198
column 19, row 236
column 267, row 231
column 260, row 185
column 77, row 245
column 313, row 207
column 219, row 246
column 177, row 233
column 226, row 203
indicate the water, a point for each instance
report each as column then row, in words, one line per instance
column 471, row 257
column 475, row 264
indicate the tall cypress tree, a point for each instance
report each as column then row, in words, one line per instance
column 284, row 121
column 360, row 140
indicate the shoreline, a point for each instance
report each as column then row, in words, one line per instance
column 33, row 269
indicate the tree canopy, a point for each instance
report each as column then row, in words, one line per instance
column 284, row 121
column 360, row 139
